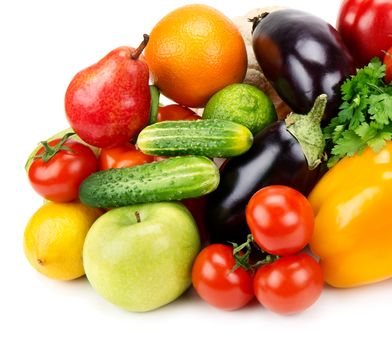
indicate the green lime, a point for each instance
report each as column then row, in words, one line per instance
column 241, row 103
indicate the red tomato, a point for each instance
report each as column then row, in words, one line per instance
column 58, row 179
column 214, row 281
column 122, row 157
column 289, row 285
column 176, row 112
column 280, row 219
column 366, row 27
column 388, row 64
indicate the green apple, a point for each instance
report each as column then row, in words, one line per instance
column 140, row 257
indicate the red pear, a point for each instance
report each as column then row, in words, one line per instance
column 109, row 102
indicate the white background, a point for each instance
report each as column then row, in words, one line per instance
column 43, row 44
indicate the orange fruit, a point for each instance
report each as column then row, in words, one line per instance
column 193, row 52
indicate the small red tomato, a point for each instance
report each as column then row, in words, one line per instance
column 60, row 167
column 122, row 157
column 289, row 285
column 176, row 112
column 388, row 64
column 280, row 219
column 216, row 283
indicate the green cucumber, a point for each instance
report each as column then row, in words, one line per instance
column 210, row 138
column 171, row 179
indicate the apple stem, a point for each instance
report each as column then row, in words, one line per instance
column 135, row 54
column 137, row 214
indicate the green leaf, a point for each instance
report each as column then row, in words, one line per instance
column 365, row 131
column 348, row 90
column 332, row 161
column 365, row 115
column 375, row 69
column 358, row 116
column 348, row 144
column 346, row 114
column 378, row 142
column 380, row 108
column 339, row 130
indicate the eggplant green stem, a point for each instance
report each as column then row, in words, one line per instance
column 307, row 130
column 257, row 19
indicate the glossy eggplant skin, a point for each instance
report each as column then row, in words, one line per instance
column 302, row 56
column 275, row 158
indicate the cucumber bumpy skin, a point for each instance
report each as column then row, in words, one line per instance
column 171, row 179
column 210, row 138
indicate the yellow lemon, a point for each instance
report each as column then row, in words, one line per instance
column 54, row 238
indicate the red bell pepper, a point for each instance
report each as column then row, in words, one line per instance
column 366, row 28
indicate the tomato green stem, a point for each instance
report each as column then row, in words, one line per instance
column 267, row 260
column 242, row 253
column 50, row 151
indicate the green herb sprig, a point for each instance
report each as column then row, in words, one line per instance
column 365, row 116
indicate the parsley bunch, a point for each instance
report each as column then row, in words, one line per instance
column 365, row 116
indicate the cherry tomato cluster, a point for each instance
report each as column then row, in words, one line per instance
column 286, row 280
column 61, row 165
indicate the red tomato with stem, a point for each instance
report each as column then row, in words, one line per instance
column 122, row 157
column 216, row 283
column 60, row 167
column 388, row 64
column 290, row 284
column 366, row 28
column 280, row 219
column 176, row 112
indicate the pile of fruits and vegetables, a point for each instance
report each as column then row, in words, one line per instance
column 267, row 175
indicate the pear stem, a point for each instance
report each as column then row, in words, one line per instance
column 135, row 54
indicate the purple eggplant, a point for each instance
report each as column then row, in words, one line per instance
column 302, row 56
column 285, row 153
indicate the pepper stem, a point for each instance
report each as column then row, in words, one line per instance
column 135, row 54
column 307, row 130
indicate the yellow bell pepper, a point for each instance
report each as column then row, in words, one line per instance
column 353, row 219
